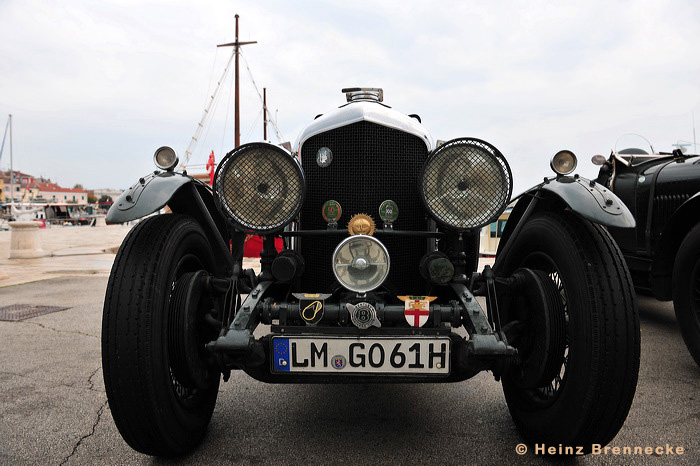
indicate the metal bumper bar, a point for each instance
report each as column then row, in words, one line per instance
column 240, row 347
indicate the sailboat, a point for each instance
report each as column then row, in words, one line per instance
column 253, row 244
column 16, row 208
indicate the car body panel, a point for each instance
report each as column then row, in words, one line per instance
column 663, row 194
column 591, row 200
column 373, row 112
column 150, row 194
column 578, row 194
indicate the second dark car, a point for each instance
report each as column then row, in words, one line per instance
column 662, row 190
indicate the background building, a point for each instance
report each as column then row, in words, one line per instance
column 491, row 234
column 25, row 188
column 55, row 194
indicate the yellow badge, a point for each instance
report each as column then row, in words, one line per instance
column 311, row 306
column 361, row 224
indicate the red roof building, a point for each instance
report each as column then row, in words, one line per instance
column 28, row 188
column 53, row 193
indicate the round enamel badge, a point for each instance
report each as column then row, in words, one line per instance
column 324, row 157
column 331, row 211
column 363, row 315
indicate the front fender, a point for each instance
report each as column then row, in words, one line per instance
column 590, row 200
column 149, row 194
column 586, row 198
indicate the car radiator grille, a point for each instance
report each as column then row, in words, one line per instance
column 371, row 163
column 665, row 205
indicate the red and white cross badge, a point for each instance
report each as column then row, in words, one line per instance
column 417, row 309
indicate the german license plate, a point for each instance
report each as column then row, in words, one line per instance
column 347, row 355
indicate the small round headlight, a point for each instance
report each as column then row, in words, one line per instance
column 563, row 162
column 361, row 263
column 260, row 187
column 165, row 158
column 466, row 184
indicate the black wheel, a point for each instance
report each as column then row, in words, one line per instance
column 686, row 291
column 587, row 399
column 160, row 386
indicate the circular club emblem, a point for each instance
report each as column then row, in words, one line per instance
column 363, row 315
column 324, row 157
column 338, row 362
column 389, row 211
column 361, row 224
column 331, row 211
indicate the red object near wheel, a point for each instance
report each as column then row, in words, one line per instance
column 254, row 243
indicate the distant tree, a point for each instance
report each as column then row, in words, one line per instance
column 105, row 198
column 78, row 186
column 91, row 199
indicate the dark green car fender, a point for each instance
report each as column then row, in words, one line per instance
column 149, row 194
column 584, row 197
column 182, row 194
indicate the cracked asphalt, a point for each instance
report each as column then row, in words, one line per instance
column 53, row 408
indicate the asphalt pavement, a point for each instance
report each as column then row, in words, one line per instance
column 53, row 407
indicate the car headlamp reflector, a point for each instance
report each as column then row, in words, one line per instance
column 466, row 183
column 165, row 158
column 260, row 187
column 563, row 162
column 361, row 263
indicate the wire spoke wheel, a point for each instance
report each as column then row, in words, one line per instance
column 587, row 399
column 545, row 394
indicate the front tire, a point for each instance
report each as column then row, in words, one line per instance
column 156, row 411
column 589, row 398
column 686, row 291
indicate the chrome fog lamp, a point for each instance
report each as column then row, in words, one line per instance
column 465, row 184
column 260, row 187
column 165, row 158
column 563, row 162
column 361, row 263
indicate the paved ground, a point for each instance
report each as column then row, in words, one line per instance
column 53, row 408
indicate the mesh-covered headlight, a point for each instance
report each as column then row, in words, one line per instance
column 260, row 187
column 466, row 184
column 361, row 263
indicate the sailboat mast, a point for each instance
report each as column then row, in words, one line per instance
column 237, row 98
column 12, row 173
column 236, row 50
column 695, row 144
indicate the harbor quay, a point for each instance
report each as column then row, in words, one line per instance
column 67, row 250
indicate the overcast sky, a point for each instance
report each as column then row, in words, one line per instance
column 95, row 87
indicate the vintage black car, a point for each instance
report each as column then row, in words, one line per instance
column 662, row 190
column 377, row 280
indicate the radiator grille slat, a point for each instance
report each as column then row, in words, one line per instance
column 665, row 205
column 371, row 163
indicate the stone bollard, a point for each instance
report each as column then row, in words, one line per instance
column 100, row 220
column 24, row 240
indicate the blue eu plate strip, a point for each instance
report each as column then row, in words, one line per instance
column 281, row 354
